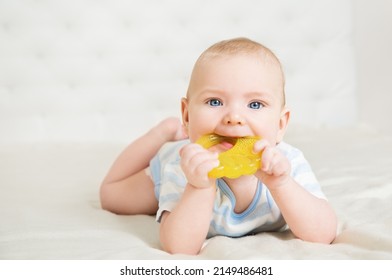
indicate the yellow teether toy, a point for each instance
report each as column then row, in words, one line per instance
column 235, row 162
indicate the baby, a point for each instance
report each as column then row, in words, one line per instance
column 236, row 90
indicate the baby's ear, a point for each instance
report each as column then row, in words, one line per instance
column 184, row 111
column 283, row 122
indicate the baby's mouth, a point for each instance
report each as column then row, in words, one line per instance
column 226, row 144
column 236, row 156
column 218, row 143
column 221, row 147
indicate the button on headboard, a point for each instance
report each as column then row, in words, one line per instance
column 85, row 70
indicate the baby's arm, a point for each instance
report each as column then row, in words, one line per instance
column 127, row 189
column 185, row 228
column 309, row 218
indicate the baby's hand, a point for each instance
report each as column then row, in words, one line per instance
column 275, row 167
column 196, row 162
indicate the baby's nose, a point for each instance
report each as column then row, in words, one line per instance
column 234, row 119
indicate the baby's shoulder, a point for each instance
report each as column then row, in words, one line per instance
column 172, row 149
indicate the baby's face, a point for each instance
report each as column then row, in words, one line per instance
column 235, row 96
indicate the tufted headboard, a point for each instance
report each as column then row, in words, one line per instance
column 87, row 70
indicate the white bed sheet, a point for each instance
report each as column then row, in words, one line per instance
column 50, row 209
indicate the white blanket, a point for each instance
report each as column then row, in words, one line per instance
column 50, row 209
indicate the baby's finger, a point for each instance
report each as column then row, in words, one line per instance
column 274, row 168
column 276, row 163
column 192, row 156
column 203, row 157
column 260, row 145
column 188, row 151
column 266, row 158
column 206, row 166
column 280, row 165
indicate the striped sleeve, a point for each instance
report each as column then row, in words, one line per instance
column 301, row 170
column 168, row 177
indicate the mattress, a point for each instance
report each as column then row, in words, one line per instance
column 50, row 208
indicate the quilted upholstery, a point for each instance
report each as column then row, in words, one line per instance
column 86, row 70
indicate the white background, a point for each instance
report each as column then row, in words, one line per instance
column 91, row 71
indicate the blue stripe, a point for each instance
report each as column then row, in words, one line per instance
column 169, row 197
column 302, row 168
column 236, row 230
column 237, row 217
column 174, row 147
column 155, row 169
column 156, row 165
column 179, row 181
column 220, row 230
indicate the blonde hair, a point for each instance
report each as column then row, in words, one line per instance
column 243, row 45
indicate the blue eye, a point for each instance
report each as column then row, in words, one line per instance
column 214, row 102
column 255, row 105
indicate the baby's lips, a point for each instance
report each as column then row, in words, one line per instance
column 237, row 161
